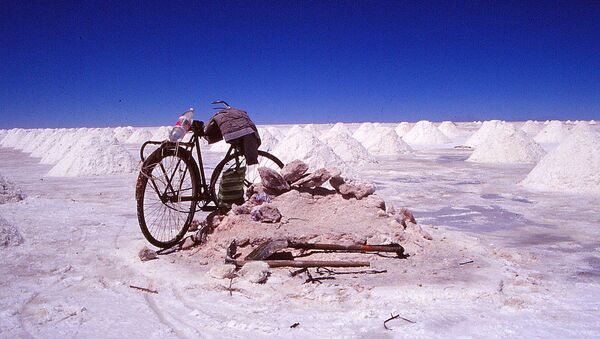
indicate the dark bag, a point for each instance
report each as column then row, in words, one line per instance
column 231, row 187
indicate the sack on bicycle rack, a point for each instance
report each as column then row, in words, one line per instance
column 231, row 187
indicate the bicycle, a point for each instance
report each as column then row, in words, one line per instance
column 171, row 186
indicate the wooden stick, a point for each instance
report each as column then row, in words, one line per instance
column 307, row 263
column 144, row 289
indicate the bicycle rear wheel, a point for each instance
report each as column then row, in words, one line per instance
column 237, row 161
column 166, row 194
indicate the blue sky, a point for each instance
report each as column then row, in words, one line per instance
column 140, row 63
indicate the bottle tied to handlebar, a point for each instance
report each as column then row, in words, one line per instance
column 182, row 125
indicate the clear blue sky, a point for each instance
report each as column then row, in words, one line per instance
column 104, row 63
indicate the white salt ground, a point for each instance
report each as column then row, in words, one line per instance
column 574, row 166
column 384, row 141
column 9, row 191
column 554, row 132
column 403, row 128
column 95, row 155
column 139, row 136
column 425, row 133
column 507, row 145
column 9, row 234
column 347, row 148
column 304, row 145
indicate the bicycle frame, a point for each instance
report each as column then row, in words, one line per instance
column 203, row 195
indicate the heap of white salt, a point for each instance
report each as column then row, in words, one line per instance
column 13, row 137
column 162, row 133
column 450, row 130
column 425, row 133
column 94, row 155
column 40, row 137
column 276, row 132
column 483, row 132
column 402, row 129
column 385, row 141
column 507, row 145
column 574, row 166
column 364, row 132
column 43, row 148
column 304, row 145
column 593, row 122
column 139, row 136
column 339, row 127
column 123, row 133
column 553, row 133
column 532, row 128
column 63, row 145
column 346, row 147
column 268, row 142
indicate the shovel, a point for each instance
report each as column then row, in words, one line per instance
column 268, row 248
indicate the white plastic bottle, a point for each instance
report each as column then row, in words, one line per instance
column 182, row 125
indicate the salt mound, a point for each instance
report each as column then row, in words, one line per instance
column 267, row 141
column 63, row 145
column 9, row 234
column 48, row 143
column 573, row 166
column 364, row 132
column 347, row 148
column 507, row 145
column 27, row 138
column 450, row 130
column 9, row 191
column 313, row 129
column 304, row 145
column 340, row 127
column 220, row 146
column 139, row 136
column 40, row 138
column 593, row 122
column 123, row 133
column 276, row 132
column 385, row 141
column 13, row 137
column 425, row 133
column 161, row 133
column 403, row 128
column 531, row 127
column 483, row 132
column 553, row 133
column 95, row 155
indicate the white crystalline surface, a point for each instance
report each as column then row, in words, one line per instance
column 507, row 145
column 63, row 144
column 162, row 133
column 139, row 136
column 425, row 133
column 304, row 145
column 268, row 140
column 364, row 132
column 450, row 130
column 93, row 156
column 9, row 235
column 403, row 128
column 9, row 191
column 554, row 132
column 386, row 142
column 574, row 166
column 123, row 133
column 346, row 147
column 340, row 127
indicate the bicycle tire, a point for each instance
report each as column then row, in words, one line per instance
column 155, row 214
column 251, row 178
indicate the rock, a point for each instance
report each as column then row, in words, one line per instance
column 294, row 170
column 273, row 180
column 256, row 272
column 223, row 271
column 405, row 216
column 188, row 243
column 9, row 234
column 418, row 230
column 194, row 225
column 266, row 213
column 146, row 254
column 377, row 202
column 9, row 191
column 237, row 209
column 315, row 179
column 351, row 189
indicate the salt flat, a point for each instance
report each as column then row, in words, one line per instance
column 535, row 269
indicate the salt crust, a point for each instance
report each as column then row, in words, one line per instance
column 554, row 132
column 340, row 127
column 94, row 155
column 505, row 144
column 573, row 166
column 346, row 147
column 402, row 129
column 123, row 133
column 63, row 144
column 425, row 133
column 162, row 133
column 385, row 141
column 9, row 234
column 268, row 140
column 364, row 132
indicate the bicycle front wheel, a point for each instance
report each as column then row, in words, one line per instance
column 236, row 161
column 166, row 195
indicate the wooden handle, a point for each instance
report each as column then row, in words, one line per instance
column 307, row 263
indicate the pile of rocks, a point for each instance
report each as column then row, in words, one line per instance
column 9, row 191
